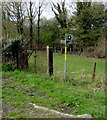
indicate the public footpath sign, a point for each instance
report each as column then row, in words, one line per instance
column 68, row 40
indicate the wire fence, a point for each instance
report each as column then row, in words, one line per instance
column 37, row 59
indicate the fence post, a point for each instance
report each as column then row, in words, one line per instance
column 49, row 60
column 94, row 69
column 35, row 63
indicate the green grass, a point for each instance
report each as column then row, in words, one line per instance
column 40, row 63
column 78, row 64
column 77, row 95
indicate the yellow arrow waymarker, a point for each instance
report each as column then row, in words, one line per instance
column 65, row 49
column 49, row 47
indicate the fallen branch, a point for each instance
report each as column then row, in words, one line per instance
column 59, row 113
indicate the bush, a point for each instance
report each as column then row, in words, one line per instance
column 90, row 49
column 100, row 49
column 7, row 67
column 15, row 49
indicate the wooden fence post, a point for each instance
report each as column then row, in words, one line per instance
column 35, row 63
column 94, row 69
column 49, row 60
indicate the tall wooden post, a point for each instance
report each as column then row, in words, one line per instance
column 49, row 60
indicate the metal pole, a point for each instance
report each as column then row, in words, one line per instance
column 65, row 59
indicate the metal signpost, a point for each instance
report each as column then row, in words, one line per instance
column 68, row 40
column 65, row 58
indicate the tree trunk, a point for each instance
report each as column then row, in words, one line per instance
column 17, row 59
column 31, row 25
column 38, row 26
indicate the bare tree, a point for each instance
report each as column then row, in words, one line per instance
column 32, row 13
column 5, row 18
column 41, row 8
column 16, row 13
column 60, row 13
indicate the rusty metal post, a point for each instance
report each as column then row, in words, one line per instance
column 49, row 60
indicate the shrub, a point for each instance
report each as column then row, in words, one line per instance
column 7, row 67
column 90, row 49
column 14, row 51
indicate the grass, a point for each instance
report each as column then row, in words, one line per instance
column 77, row 95
column 40, row 63
column 79, row 64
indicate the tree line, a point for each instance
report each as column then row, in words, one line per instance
column 22, row 21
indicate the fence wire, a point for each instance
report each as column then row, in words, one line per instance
column 38, row 60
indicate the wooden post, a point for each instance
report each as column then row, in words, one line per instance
column 70, row 49
column 49, row 60
column 61, row 50
column 35, row 63
column 94, row 69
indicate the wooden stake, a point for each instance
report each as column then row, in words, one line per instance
column 35, row 63
column 94, row 69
